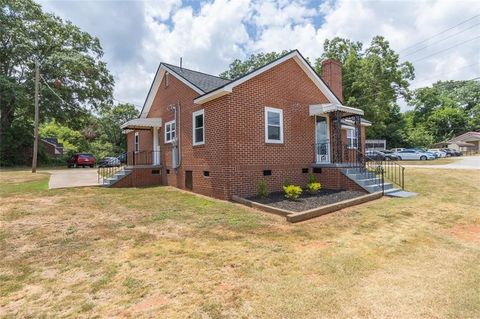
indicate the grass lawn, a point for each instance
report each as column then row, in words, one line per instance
column 438, row 161
column 160, row 252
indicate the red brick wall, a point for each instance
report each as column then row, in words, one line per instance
column 208, row 157
column 140, row 177
column 332, row 75
column 235, row 152
column 285, row 87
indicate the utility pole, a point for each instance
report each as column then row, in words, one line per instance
column 35, row 133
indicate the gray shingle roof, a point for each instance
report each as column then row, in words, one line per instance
column 204, row 82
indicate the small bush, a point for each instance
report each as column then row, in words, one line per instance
column 311, row 178
column 313, row 187
column 292, row 192
column 286, row 182
column 262, row 189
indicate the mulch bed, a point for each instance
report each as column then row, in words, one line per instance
column 306, row 200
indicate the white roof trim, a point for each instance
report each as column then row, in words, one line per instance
column 156, row 84
column 319, row 109
column 142, row 123
column 45, row 141
column 227, row 88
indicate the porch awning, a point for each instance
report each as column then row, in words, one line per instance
column 141, row 124
column 319, row 109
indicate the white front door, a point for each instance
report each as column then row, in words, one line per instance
column 156, row 147
column 322, row 141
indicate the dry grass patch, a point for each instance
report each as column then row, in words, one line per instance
column 438, row 161
column 159, row 252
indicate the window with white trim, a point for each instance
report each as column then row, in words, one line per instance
column 351, row 138
column 198, row 127
column 273, row 125
column 136, row 143
column 170, row 131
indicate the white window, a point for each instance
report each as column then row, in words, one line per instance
column 273, row 125
column 136, row 143
column 351, row 138
column 169, row 131
column 198, row 127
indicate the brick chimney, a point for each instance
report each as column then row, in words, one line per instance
column 332, row 75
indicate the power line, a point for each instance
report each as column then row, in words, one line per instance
column 442, row 32
column 124, row 102
column 428, row 45
column 449, row 48
column 55, row 93
column 390, row 89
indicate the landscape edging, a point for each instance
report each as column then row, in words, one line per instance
column 295, row 217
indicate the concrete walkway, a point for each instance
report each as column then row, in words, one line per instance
column 73, row 177
column 467, row 162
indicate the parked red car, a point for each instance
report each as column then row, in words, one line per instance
column 81, row 159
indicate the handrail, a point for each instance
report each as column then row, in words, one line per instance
column 105, row 172
column 128, row 159
column 393, row 171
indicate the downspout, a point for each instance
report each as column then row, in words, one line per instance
column 177, row 136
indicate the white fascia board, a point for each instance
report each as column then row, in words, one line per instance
column 142, row 122
column 318, row 109
column 156, row 84
column 212, row 95
column 300, row 61
column 316, row 79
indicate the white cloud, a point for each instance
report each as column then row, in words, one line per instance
column 211, row 34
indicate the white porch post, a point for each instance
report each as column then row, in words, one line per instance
column 156, row 147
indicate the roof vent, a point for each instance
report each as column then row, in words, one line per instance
column 180, row 63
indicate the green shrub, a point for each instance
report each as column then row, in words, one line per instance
column 262, row 189
column 313, row 187
column 311, row 178
column 292, row 192
column 286, row 182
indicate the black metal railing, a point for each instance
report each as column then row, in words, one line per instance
column 105, row 172
column 355, row 158
column 393, row 171
column 142, row 158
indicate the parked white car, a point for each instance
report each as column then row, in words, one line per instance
column 409, row 154
column 438, row 151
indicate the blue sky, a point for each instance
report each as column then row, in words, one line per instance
column 137, row 35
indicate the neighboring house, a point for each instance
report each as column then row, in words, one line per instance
column 376, row 145
column 467, row 142
column 221, row 138
column 51, row 146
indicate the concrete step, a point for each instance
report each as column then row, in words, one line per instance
column 367, row 181
column 397, row 192
column 377, row 187
column 107, row 182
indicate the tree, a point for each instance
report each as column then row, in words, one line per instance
column 238, row 68
column 70, row 63
column 447, row 122
column 73, row 141
column 415, row 135
column 373, row 80
column 459, row 99
column 110, row 120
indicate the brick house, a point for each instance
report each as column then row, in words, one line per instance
column 220, row 138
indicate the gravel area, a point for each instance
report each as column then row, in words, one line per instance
column 306, row 200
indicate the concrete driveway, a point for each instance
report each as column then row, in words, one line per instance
column 467, row 162
column 73, row 177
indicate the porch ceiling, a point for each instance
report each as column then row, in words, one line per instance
column 319, row 109
column 141, row 124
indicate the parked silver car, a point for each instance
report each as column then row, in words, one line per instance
column 438, row 152
column 409, row 154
